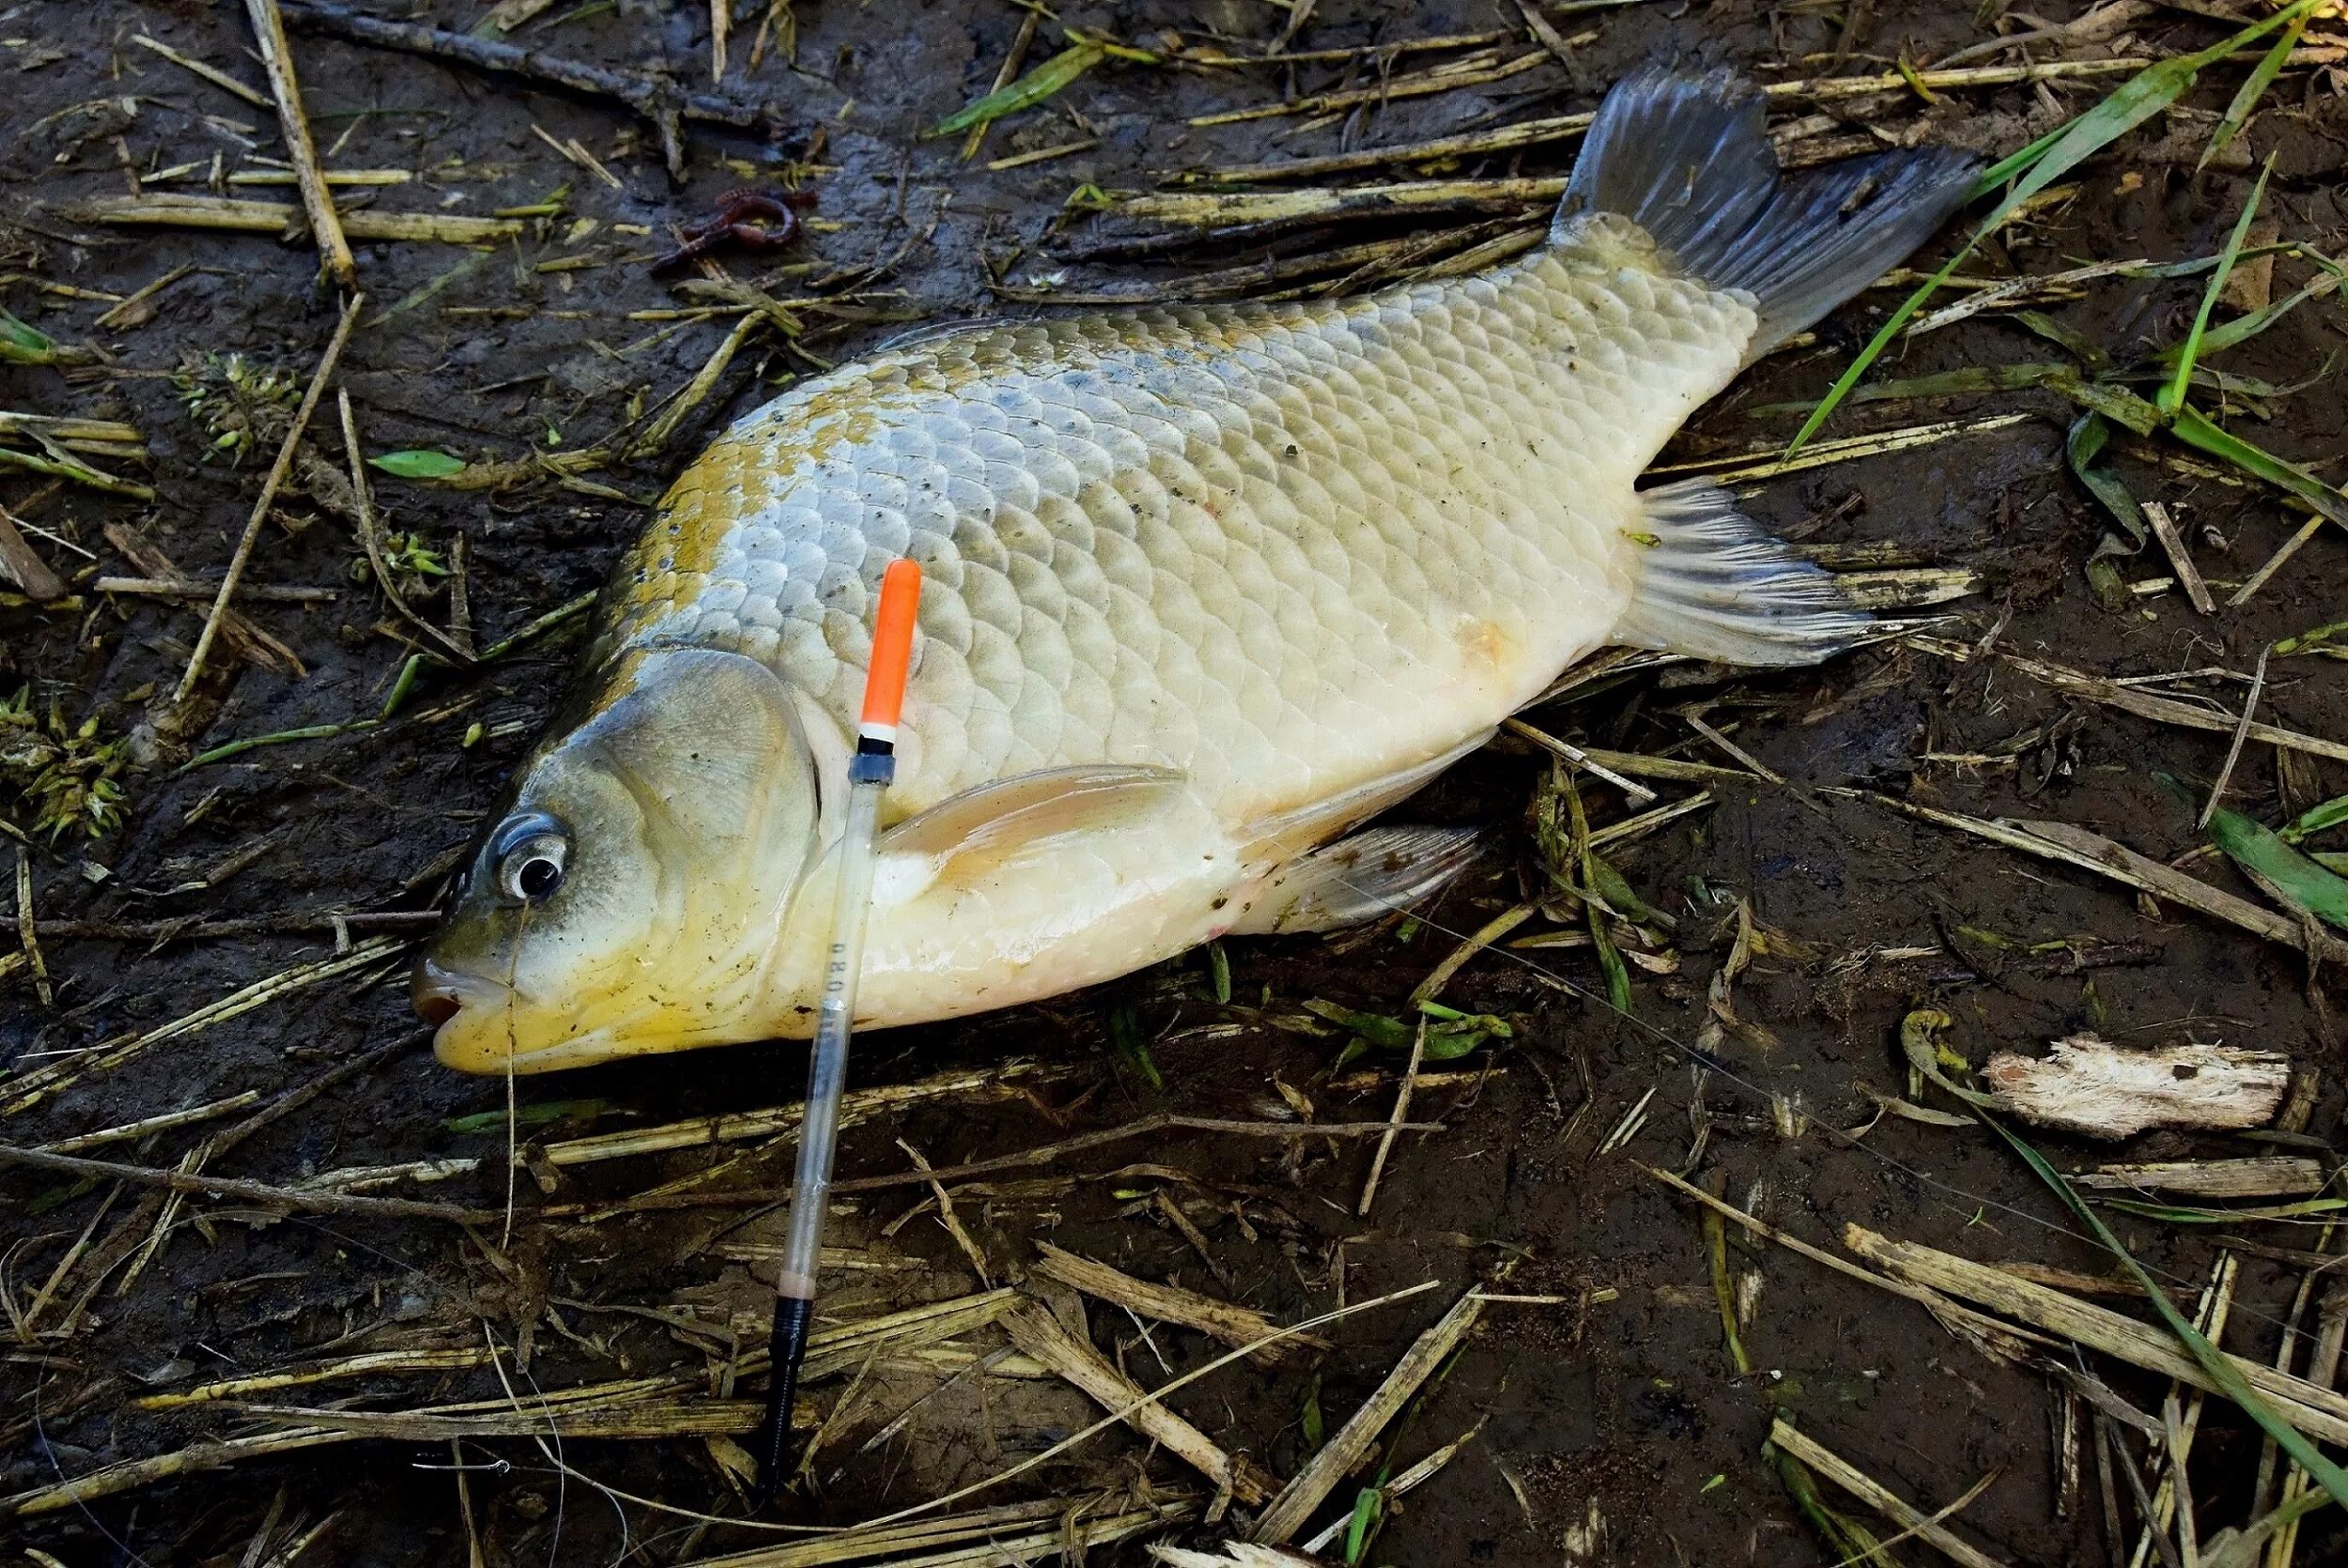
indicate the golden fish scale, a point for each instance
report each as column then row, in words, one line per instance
column 1287, row 548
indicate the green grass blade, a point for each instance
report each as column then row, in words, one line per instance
column 2274, row 865
column 2213, row 1362
column 2315, row 818
column 2135, row 101
column 2195, row 429
column 1026, row 93
column 2245, row 100
column 2170, row 1214
column 2172, row 396
column 2088, row 433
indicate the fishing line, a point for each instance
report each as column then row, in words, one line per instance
column 1699, row 1057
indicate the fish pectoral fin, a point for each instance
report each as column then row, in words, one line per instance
column 1713, row 584
column 1358, row 879
column 1026, row 809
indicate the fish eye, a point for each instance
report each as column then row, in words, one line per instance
column 531, row 851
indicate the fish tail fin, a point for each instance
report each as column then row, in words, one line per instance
column 1686, row 158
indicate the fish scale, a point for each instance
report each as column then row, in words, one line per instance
column 1283, row 548
column 1208, row 589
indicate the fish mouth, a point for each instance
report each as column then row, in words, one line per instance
column 459, row 1007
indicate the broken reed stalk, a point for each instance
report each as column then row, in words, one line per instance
column 268, row 30
column 1401, row 1113
column 1337, row 1458
column 268, row 495
column 2172, row 544
column 1914, row 1521
column 1223, row 1320
column 173, row 210
column 248, row 1191
column 19, row 561
column 371, row 532
column 2241, row 734
column 1041, row 1336
column 657, row 98
column 2319, row 1412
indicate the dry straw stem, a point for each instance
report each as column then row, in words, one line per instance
column 1825, row 90
column 1223, row 1320
column 239, row 634
column 2188, row 576
column 1336, row 1459
column 1402, row 1093
column 21, row 565
column 373, row 1364
column 217, row 77
column 172, row 210
column 1068, row 1535
column 1472, row 71
column 162, row 1123
column 268, row 30
column 630, row 1407
column 1977, row 1326
column 1040, row 1334
column 2092, row 852
column 277, row 472
column 2321, row 1413
column 178, row 587
column 36, row 1086
column 1005, row 1081
column 1818, row 454
column 1044, row 1154
column 371, row 533
column 1914, row 1521
column 2127, row 699
column 2265, row 1175
column 247, row 1192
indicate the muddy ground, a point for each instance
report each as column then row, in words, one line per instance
column 1621, row 1404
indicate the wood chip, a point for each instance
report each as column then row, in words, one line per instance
column 2103, row 1090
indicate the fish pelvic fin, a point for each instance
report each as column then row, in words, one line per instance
column 1358, row 879
column 1684, row 155
column 1714, row 584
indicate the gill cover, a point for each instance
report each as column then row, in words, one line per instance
column 628, row 900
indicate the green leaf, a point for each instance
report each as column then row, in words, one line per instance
column 1026, row 93
column 1390, row 1033
column 1125, row 1037
column 1219, row 971
column 2284, row 871
column 2195, row 429
column 2315, row 818
column 1367, row 1505
column 2088, row 434
column 418, row 464
column 1316, row 1426
column 2172, row 396
column 21, row 345
column 2220, row 1370
column 527, row 1116
column 2245, row 98
column 2039, row 165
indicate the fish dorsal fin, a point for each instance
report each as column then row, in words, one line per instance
column 1025, row 809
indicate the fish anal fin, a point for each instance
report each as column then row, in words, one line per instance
column 1357, row 879
column 1009, row 815
column 1715, row 585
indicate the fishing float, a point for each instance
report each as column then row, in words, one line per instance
column 870, row 773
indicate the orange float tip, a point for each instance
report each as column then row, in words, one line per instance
column 892, row 650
